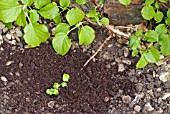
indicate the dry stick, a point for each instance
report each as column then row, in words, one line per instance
column 110, row 28
column 107, row 39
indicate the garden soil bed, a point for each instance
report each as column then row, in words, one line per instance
column 100, row 88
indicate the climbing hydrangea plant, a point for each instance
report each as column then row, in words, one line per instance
column 26, row 13
column 159, row 35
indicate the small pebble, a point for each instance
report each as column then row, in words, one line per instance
column 106, row 99
column 9, row 63
column 121, row 68
column 126, row 99
column 137, row 108
column 148, row 107
column 139, row 87
column 4, row 79
column 2, row 26
column 8, row 36
column 20, row 65
column 108, row 66
column 51, row 104
column 128, row 62
column 126, row 52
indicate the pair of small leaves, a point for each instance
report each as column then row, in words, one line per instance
column 62, row 43
column 54, row 90
column 148, row 11
column 66, row 3
column 152, row 56
column 95, row 16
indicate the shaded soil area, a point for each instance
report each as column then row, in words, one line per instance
column 32, row 71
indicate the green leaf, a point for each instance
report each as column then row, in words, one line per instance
column 21, row 19
column 151, row 36
column 134, row 42
column 62, row 27
column 61, row 43
column 52, row 91
column 57, row 19
column 152, row 55
column 149, row 2
column 50, row 11
column 27, row 2
column 40, row 3
column 148, row 12
column 164, row 1
column 9, row 10
column 74, row 16
column 157, row 4
column 35, row 34
column 167, row 21
column 66, row 77
column 92, row 13
column 56, row 85
column 8, row 25
column 135, row 52
column 104, row 21
column 161, row 29
column 63, row 84
column 65, row 3
column 158, row 16
column 139, row 33
column 86, row 35
column 168, row 13
column 142, row 62
column 34, row 17
column 125, row 2
column 81, row 1
column 164, row 41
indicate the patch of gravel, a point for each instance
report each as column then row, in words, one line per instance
column 152, row 93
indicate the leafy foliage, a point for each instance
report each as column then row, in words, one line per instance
column 27, row 16
column 160, row 35
column 56, row 85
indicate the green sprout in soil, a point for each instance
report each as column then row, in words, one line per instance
column 56, row 85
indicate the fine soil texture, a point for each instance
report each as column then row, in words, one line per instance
column 31, row 71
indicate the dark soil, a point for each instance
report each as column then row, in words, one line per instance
column 35, row 70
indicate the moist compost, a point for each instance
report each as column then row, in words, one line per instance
column 32, row 71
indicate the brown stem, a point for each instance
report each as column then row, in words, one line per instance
column 107, row 39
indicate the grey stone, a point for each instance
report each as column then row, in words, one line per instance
column 128, row 62
column 4, row 79
column 148, row 107
column 108, row 66
column 150, row 86
column 2, row 26
column 126, row 99
column 167, row 84
column 51, row 104
column 121, row 68
column 137, row 108
column 139, row 87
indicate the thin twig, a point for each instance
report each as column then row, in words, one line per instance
column 107, row 39
column 124, row 27
column 110, row 28
column 116, row 31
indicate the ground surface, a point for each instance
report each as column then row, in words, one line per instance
column 110, row 84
